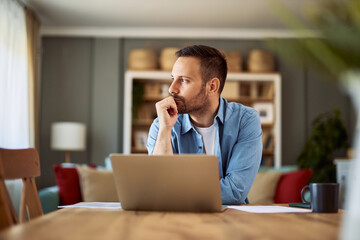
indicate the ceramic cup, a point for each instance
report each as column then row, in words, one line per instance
column 324, row 197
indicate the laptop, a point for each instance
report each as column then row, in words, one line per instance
column 181, row 183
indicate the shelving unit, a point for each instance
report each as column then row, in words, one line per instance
column 261, row 90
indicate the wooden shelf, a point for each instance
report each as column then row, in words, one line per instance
column 243, row 100
column 153, row 98
column 250, row 100
column 148, row 122
column 267, row 125
column 268, row 152
column 142, row 122
column 253, row 88
column 139, row 150
column 159, row 75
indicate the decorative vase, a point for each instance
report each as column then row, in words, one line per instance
column 351, row 221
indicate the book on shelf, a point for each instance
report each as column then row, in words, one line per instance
column 264, row 137
column 267, row 161
column 267, row 140
column 268, row 90
column 245, row 89
column 271, row 144
column 152, row 90
column 254, row 91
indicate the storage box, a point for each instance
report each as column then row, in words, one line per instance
column 168, row 58
column 342, row 174
column 234, row 60
column 231, row 90
column 142, row 59
column 152, row 90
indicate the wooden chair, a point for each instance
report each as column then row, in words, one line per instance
column 15, row 164
column 7, row 211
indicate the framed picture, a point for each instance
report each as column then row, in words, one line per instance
column 266, row 112
column 140, row 139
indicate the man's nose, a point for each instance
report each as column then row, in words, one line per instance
column 173, row 89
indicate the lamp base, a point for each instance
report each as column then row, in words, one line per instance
column 67, row 156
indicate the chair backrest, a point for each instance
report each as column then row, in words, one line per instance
column 7, row 211
column 24, row 164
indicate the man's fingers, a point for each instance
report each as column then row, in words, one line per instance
column 166, row 104
column 172, row 111
column 167, row 112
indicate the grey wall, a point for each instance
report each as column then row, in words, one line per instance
column 65, row 95
column 83, row 80
column 81, row 83
column 104, row 128
column 324, row 94
column 294, row 110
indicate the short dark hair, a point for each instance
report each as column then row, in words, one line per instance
column 212, row 62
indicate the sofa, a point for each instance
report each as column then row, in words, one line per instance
column 279, row 185
column 95, row 184
column 79, row 183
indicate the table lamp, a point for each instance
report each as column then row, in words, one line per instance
column 68, row 136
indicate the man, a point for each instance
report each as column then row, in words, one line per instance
column 195, row 119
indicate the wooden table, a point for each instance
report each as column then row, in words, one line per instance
column 106, row 224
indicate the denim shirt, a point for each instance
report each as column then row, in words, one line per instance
column 237, row 142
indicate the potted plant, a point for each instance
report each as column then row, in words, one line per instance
column 327, row 137
column 138, row 95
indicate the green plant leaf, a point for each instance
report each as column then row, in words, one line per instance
column 328, row 136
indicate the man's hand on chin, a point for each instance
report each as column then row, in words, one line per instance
column 167, row 113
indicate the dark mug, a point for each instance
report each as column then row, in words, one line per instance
column 324, row 197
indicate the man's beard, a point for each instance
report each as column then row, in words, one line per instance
column 197, row 104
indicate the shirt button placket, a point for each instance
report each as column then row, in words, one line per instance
column 199, row 140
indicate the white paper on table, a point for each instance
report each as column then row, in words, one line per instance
column 270, row 209
column 97, row 205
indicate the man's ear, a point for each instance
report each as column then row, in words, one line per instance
column 213, row 85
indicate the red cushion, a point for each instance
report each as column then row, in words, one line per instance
column 290, row 185
column 67, row 179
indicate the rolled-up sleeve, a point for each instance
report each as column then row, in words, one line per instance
column 153, row 132
column 244, row 161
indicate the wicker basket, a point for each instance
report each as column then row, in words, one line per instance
column 260, row 61
column 168, row 58
column 142, row 59
column 234, row 60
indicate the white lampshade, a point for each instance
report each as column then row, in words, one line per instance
column 69, row 136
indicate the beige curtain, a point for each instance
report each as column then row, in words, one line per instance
column 33, row 46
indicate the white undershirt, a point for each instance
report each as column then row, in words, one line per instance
column 208, row 137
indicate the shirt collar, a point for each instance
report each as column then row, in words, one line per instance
column 221, row 111
column 187, row 125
